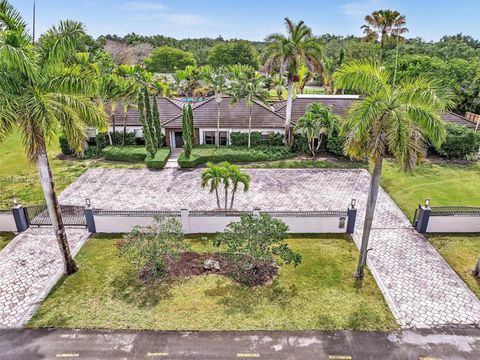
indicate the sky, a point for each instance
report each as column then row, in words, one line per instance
column 251, row 19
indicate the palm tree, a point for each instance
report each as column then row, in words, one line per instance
column 289, row 53
column 236, row 177
column 384, row 25
column 225, row 169
column 278, row 84
column 212, row 175
column 128, row 92
column 110, row 93
column 217, row 82
column 400, row 120
column 40, row 94
column 251, row 90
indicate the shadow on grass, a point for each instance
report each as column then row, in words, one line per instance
column 127, row 287
column 241, row 299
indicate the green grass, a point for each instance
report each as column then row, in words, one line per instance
column 5, row 238
column 461, row 252
column 318, row 294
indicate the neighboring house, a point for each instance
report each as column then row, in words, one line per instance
column 266, row 119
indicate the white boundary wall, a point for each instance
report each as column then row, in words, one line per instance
column 217, row 223
column 454, row 224
column 7, row 222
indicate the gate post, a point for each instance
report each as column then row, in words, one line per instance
column 89, row 217
column 352, row 217
column 20, row 216
column 423, row 217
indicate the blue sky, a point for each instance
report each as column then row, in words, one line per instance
column 251, row 19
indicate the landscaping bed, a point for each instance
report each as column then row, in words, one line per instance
column 320, row 294
column 203, row 154
column 461, row 252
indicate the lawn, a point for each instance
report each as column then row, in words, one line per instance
column 318, row 294
column 461, row 252
column 5, row 238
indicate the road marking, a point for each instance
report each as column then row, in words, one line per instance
column 67, row 355
column 240, row 355
column 155, row 354
column 339, row 357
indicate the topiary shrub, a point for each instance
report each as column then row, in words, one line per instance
column 126, row 153
column 159, row 160
column 460, row 142
column 335, row 144
column 64, row 146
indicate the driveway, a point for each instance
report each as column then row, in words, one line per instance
column 421, row 289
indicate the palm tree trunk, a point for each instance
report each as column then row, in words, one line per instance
column 312, row 146
column 233, row 199
column 113, row 130
column 218, row 199
column 476, row 270
column 249, row 125
column 124, row 129
column 367, row 226
column 53, row 207
column 226, row 198
column 288, row 116
column 217, row 138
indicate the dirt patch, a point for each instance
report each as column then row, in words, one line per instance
column 244, row 270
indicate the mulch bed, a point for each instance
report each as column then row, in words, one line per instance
column 245, row 270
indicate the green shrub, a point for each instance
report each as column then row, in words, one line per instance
column 275, row 139
column 130, row 138
column 300, row 144
column 335, row 144
column 66, row 150
column 159, row 160
column 101, row 140
column 126, row 153
column 241, row 138
column 460, row 142
column 232, row 154
column 92, row 152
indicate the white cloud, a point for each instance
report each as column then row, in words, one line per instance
column 186, row 19
column 143, row 5
column 361, row 8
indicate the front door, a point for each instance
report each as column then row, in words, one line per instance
column 178, row 139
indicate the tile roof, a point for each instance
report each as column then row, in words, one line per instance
column 453, row 118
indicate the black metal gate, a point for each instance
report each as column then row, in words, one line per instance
column 72, row 215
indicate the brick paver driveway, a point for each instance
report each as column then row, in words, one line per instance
column 420, row 287
column 30, row 265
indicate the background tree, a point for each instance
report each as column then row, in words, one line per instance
column 120, row 52
column 278, row 84
column 251, row 91
column 212, row 177
column 385, row 26
column 231, row 53
column 41, row 94
column 399, row 120
column 166, row 59
column 289, row 53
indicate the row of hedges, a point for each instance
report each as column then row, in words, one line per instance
column 159, row 160
column 241, row 139
column 136, row 154
column 203, row 154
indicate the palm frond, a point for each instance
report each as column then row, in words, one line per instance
column 362, row 77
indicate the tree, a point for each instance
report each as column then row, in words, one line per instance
column 187, row 130
column 317, row 122
column 128, row 92
column 157, row 124
column 236, row 177
column 259, row 237
column 252, row 91
column 278, row 84
column 289, row 53
column 166, row 59
column 217, row 81
column 231, row 53
column 384, row 25
column 395, row 119
column 120, row 52
column 41, row 92
column 145, row 118
column 212, row 176
column 149, row 247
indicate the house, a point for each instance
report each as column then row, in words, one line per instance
column 234, row 117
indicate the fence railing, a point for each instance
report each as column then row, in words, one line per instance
column 325, row 213
column 5, row 212
column 454, row 211
column 135, row 213
column 219, row 213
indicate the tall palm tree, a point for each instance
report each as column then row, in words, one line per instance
column 384, row 25
column 217, row 82
column 251, row 90
column 128, row 92
column 278, row 84
column 40, row 94
column 400, row 120
column 236, row 177
column 212, row 176
column 289, row 53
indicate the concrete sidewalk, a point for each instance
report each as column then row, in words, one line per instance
column 444, row 344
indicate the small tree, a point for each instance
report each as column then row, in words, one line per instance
column 235, row 177
column 259, row 237
column 148, row 247
column 212, row 176
column 147, row 132
column 187, row 130
column 157, row 123
column 149, row 118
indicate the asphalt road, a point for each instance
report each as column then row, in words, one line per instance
column 30, row 344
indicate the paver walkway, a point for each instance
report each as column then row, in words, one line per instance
column 29, row 267
column 420, row 287
column 172, row 161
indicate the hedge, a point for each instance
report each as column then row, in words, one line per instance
column 460, row 142
column 233, row 154
column 241, row 139
column 160, row 159
column 66, row 150
column 126, row 153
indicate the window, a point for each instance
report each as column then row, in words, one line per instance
column 265, row 135
column 210, row 136
column 223, row 138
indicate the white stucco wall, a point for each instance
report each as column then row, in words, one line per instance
column 7, row 223
column 454, row 224
column 120, row 224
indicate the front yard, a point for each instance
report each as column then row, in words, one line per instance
column 5, row 238
column 318, row 294
column 461, row 252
